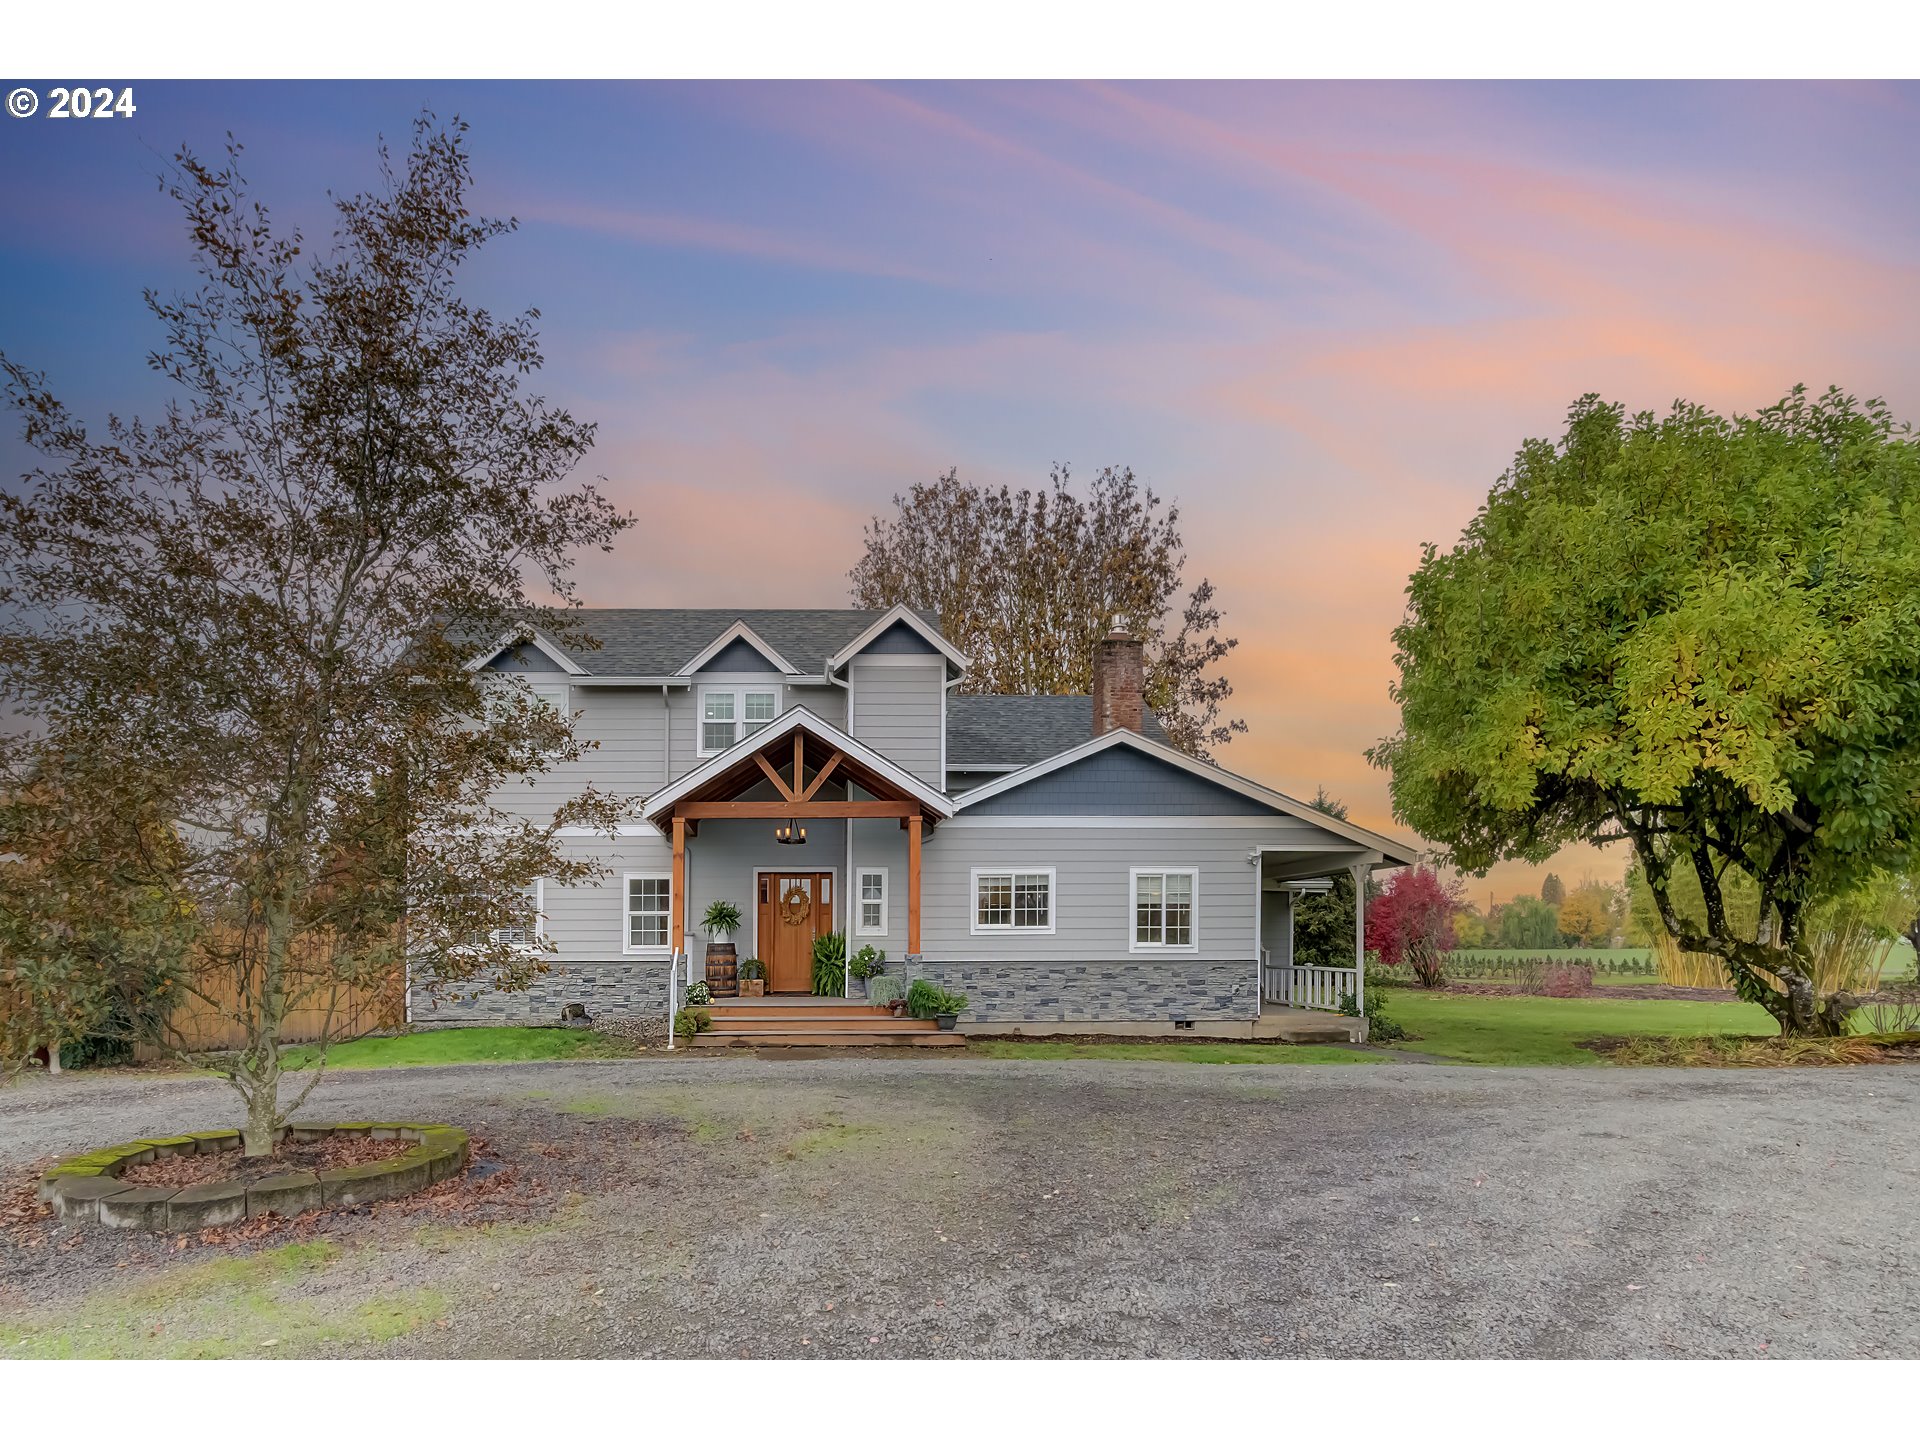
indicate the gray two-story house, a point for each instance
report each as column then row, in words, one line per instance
column 1049, row 855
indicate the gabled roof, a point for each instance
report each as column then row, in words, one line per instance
column 798, row 718
column 1006, row 732
column 514, row 639
column 742, row 632
column 1239, row 784
column 660, row 643
column 899, row 615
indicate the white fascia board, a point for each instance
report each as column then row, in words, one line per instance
column 1239, row 784
column 898, row 615
column 740, row 630
column 514, row 638
column 788, row 721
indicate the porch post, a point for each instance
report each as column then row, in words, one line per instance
column 679, row 921
column 913, row 884
column 1360, row 873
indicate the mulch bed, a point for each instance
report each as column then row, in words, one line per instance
column 333, row 1153
column 1759, row 1051
column 1598, row 992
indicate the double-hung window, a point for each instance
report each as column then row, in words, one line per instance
column 1015, row 901
column 1163, row 903
column 649, row 902
column 531, row 901
column 872, row 919
column 729, row 713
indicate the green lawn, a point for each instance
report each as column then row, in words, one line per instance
column 1536, row 1030
column 1226, row 1053
column 467, row 1047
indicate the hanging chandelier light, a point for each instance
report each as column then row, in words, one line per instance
column 790, row 832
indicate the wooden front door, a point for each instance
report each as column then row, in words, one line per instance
column 795, row 908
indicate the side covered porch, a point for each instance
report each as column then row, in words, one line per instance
column 1296, row 997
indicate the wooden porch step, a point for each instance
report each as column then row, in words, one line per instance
column 855, row 1040
column 822, row 1027
column 759, row 1010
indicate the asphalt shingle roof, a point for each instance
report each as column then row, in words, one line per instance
column 1021, row 729
column 659, row 642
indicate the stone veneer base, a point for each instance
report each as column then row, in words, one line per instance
column 88, row 1189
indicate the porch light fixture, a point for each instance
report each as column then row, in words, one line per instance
column 790, row 832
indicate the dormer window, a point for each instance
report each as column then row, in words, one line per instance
column 729, row 713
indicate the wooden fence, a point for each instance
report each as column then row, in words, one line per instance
column 206, row 1021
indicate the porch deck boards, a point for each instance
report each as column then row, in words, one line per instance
column 1305, row 1027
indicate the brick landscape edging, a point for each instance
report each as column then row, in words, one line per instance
column 88, row 1188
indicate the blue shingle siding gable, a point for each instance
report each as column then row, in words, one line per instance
column 526, row 660
column 899, row 638
column 1120, row 782
column 739, row 658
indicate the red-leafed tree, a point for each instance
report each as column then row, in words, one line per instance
column 1411, row 921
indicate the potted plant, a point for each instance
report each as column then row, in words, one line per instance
column 867, row 962
column 928, row 1001
column 722, row 919
column 753, row 977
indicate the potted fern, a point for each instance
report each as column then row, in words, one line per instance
column 928, row 1001
column 753, row 976
column 721, row 920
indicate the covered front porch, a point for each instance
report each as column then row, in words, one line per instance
column 770, row 826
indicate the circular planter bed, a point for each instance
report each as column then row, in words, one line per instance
column 106, row 1188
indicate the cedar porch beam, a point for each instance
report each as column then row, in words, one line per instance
column 774, row 775
column 820, row 775
column 679, row 884
column 793, row 809
column 799, row 761
column 913, row 884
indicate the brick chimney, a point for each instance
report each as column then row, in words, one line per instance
column 1119, row 684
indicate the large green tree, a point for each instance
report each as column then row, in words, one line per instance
column 1693, row 634
column 246, row 626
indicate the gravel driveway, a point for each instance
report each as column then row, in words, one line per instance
column 937, row 1206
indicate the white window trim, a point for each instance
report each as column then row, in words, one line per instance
column 539, row 919
column 974, row 926
column 739, row 689
column 860, row 900
column 626, row 913
column 1136, row 946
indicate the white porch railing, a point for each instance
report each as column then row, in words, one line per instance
column 1306, row 987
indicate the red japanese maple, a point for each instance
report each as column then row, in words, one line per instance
column 1411, row 921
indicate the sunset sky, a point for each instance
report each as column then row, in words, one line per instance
column 1320, row 317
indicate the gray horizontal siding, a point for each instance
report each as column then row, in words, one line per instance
column 897, row 709
column 1093, row 909
column 627, row 726
column 1120, row 781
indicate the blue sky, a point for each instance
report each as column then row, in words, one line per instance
column 1321, row 316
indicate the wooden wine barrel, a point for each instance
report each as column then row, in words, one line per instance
column 723, row 971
